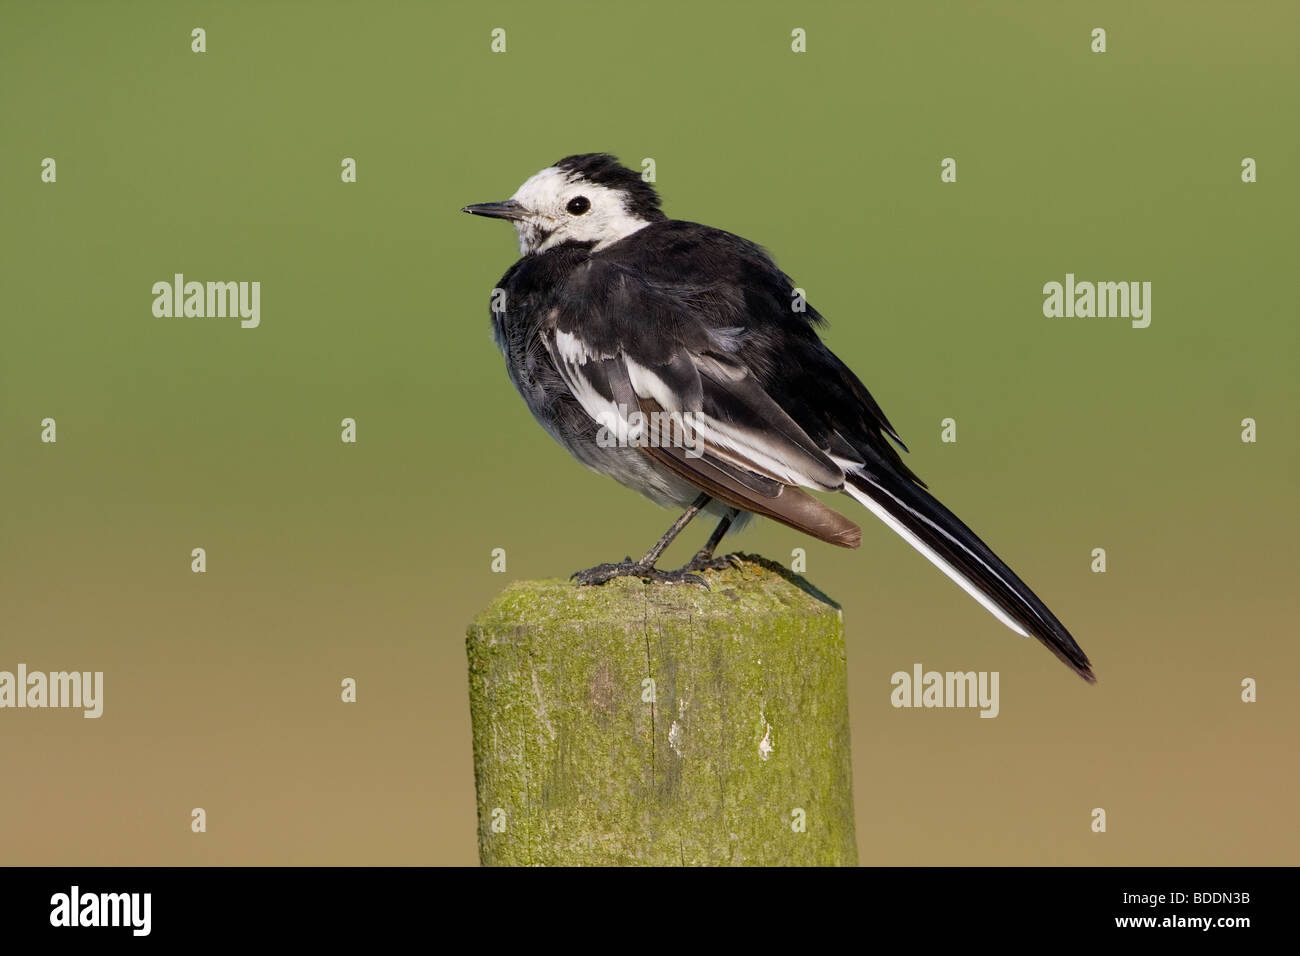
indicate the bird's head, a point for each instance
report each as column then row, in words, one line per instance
column 588, row 198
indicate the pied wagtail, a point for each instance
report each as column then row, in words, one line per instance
column 617, row 315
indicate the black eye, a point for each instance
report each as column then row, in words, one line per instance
column 578, row 205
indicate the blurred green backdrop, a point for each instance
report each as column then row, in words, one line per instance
column 328, row 560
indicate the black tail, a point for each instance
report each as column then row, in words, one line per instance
column 940, row 535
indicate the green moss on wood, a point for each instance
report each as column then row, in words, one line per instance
column 749, row 724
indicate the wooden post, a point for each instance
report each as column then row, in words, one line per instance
column 637, row 723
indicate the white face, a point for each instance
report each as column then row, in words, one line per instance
column 552, row 203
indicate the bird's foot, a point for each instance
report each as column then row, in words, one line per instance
column 627, row 568
column 707, row 562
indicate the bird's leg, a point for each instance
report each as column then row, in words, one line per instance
column 645, row 568
column 704, row 559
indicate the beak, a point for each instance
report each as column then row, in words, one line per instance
column 497, row 210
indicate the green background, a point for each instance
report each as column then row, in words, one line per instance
column 328, row 560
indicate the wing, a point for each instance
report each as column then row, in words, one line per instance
column 648, row 364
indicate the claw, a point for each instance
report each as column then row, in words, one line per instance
column 702, row 563
column 603, row 573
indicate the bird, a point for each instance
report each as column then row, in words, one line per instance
column 617, row 318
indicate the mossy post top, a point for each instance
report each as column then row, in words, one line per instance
column 755, row 586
